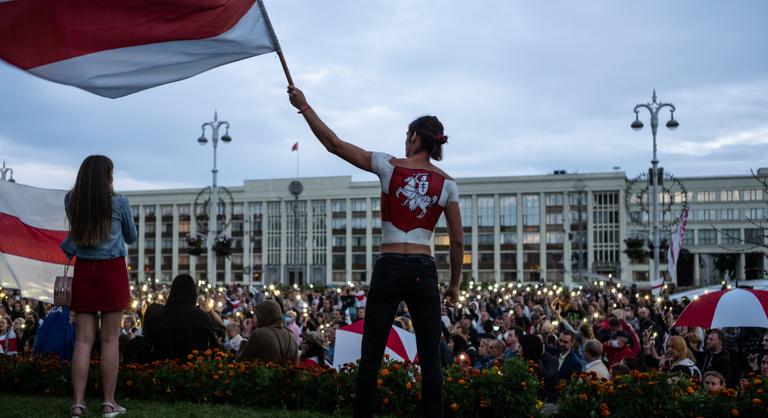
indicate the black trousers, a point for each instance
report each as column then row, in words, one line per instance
column 411, row 278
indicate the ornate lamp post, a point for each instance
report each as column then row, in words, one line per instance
column 213, row 209
column 653, row 108
column 8, row 171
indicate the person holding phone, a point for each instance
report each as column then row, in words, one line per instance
column 100, row 226
column 414, row 194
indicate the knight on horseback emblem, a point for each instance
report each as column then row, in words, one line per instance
column 415, row 192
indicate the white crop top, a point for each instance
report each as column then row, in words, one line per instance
column 412, row 200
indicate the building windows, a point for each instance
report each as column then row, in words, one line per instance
column 339, row 205
column 531, row 238
column 729, row 195
column 508, row 209
column 485, row 211
column 754, row 236
column 339, row 223
column 442, row 240
column 729, row 214
column 707, row 237
column 754, row 214
column 358, row 223
column 485, row 240
column 706, row 196
column 149, row 210
column 465, row 207
column 531, row 209
column 730, row 236
column 703, row 215
column 554, row 237
column 359, row 205
column 753, row 194
column 688, row 238
column 554, row 219
column 508, row 238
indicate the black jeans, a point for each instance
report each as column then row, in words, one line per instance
column 411, row 278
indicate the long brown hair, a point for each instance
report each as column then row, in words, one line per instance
column 90, row 202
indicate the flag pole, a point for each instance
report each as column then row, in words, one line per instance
column 275, row 42
column 298, row 149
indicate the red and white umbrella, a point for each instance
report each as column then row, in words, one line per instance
column 401, row 344
column 727, row 308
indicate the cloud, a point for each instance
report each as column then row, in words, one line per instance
column 746, row 138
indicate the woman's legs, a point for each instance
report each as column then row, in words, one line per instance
column 85, row 333
column 110, row 354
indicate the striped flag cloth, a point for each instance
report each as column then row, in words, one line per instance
column 116, row 47
column 32, row 225
column 673, row 252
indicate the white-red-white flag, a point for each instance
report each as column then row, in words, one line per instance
column 32, row 225
column 401, row 344
column 673, row 252
column 115, row 47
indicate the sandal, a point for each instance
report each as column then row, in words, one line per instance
column 116, row 409
column 77, row 410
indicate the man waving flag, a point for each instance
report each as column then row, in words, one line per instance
column 115, row 47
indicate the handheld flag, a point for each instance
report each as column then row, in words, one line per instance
column 113, row 48
column 32, row 225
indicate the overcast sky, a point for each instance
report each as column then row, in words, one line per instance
column 522, row 87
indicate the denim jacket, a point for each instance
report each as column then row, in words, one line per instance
column 123, row 232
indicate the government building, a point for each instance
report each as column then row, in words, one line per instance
column 558, row 228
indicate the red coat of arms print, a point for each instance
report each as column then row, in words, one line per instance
column 413, row 198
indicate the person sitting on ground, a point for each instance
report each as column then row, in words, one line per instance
column 713, row 382
column 234, row 339
column 179, row 327
column 593, row 353
column 312, row 351
column 678, row 360
column 268, row 339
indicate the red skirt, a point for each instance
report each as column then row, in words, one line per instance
column 100, row 286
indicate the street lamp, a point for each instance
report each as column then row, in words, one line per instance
column 213, row 209
column 4, row 171
column 653, row 108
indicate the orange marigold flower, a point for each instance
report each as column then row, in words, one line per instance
column 689, row 390
column 385, row 372
column 735, row 412
column 758, row 381
column 409, row 385
column 454, row 407
column 379, row 382
column 582, row 397
column 190, row 356
column 207, row 352
column 603, row 406
column 605, row 412
column 385, row 401
column 195, row 352
column 757, row 402
column 129, row 383
column 462, row 382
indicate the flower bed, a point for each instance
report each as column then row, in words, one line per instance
column 658, row 394
column 507, row 389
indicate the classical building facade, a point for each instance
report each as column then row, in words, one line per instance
column 560, row 227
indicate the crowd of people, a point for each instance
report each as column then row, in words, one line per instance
column 606, row 328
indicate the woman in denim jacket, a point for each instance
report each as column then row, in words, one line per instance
column 101, row 224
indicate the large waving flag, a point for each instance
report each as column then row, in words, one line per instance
column 32, row 225
column 117, row 47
